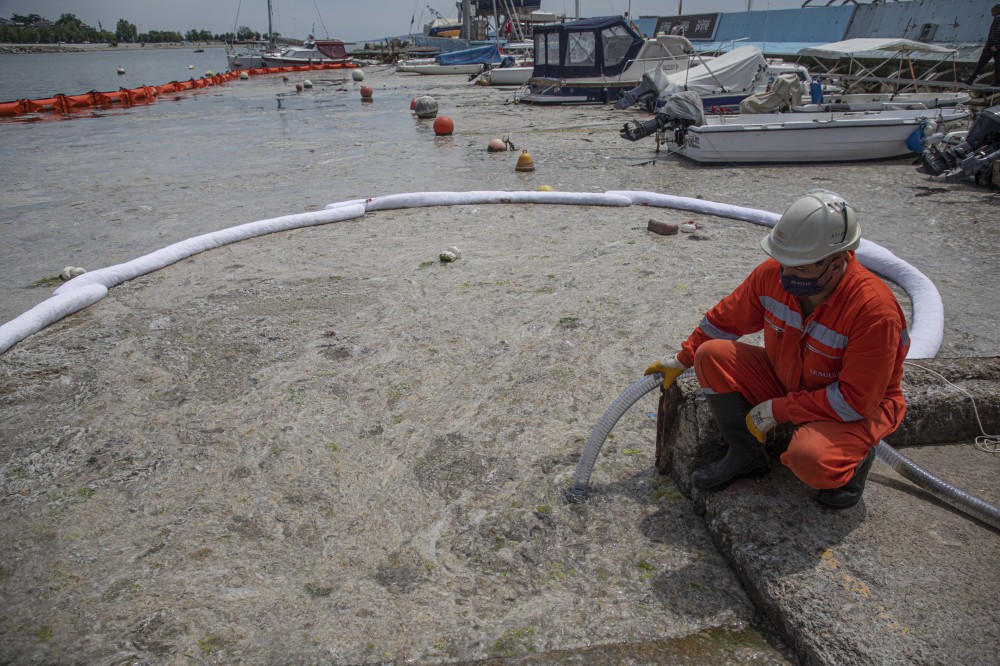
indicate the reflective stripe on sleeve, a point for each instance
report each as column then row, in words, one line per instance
column 712, row 331
column 836, row 398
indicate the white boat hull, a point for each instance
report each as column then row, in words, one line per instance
column 435, row 69
column 508, row 76
column 808, row 137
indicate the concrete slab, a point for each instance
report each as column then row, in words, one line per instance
column 902, row 577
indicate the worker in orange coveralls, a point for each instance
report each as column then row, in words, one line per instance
column 834, row 343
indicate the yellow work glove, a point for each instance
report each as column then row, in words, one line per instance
column 671, row 369
column 760, row 421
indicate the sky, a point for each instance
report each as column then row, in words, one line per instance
column 347, row 20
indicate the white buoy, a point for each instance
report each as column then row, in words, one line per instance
column 307, row 83
column 121, row 70
column 358, row 75
column 244, row 76
column 190, row 66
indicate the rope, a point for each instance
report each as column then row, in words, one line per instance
column 983, row 442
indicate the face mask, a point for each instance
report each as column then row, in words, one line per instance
column 803, row 286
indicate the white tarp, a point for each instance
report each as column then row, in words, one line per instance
column 740, row 70
column 851, row 47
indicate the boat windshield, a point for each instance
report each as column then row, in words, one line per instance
column 616, row 41
column 582, row 49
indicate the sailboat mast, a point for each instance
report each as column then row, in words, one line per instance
column 270, row 28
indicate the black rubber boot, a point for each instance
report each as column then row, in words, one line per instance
column 745, row 455
column 850, row 493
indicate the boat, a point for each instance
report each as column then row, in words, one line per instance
column 248, row 54
column 721, row 82
column 597, row 60
column 312, row 52
column 467, row 61
column 511, row 73
column 515, row 75
column 782, row 138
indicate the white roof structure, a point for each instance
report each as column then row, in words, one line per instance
column 852, row 47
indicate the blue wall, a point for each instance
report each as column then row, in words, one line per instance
column 810, row 24
column 957, row 21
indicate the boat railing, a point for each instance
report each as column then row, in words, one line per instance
column 929, row 83
column 629, row 74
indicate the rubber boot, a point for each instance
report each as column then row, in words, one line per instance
column 745, row 455
column 850, row 493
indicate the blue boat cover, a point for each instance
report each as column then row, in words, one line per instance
column 579, row 49
column 476, row 56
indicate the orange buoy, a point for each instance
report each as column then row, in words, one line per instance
column 366, row 92
column 496, row 146
column 443, row 126
column 524, row 162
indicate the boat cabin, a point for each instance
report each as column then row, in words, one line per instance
column 602, row 47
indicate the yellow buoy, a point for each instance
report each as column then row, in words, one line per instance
column 524, row 162
column 545, row 188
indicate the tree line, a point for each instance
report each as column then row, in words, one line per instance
column 33, row 29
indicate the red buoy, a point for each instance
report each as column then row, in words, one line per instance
column 366, row 92
column 413, row 103
column 443, row 126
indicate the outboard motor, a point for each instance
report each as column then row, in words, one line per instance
column 680, row 112
column 653, row 84
column 973, row 158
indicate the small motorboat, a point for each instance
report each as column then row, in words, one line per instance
column 469, row 62
column 785, row 138
column 312, row 52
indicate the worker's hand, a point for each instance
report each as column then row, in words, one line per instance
column 760, row 420
column 671, row 369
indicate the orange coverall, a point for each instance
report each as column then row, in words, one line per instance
column 835, row 374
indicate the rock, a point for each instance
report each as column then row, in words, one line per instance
column 662, row 228
column 455, row 251
column 71, row 272
column 448, row 257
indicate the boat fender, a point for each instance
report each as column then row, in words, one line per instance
column 915, row 142
column 816, row 92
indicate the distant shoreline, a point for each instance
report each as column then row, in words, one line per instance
column 21, row 49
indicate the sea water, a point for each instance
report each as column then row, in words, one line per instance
column 41, row 75
column 105, row 186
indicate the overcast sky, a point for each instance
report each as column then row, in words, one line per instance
column 354, row 20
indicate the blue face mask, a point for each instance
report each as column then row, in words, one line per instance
column 804, row 286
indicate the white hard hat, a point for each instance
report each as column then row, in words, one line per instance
column 816, row 225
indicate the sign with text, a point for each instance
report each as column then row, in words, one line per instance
column 692, row 26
